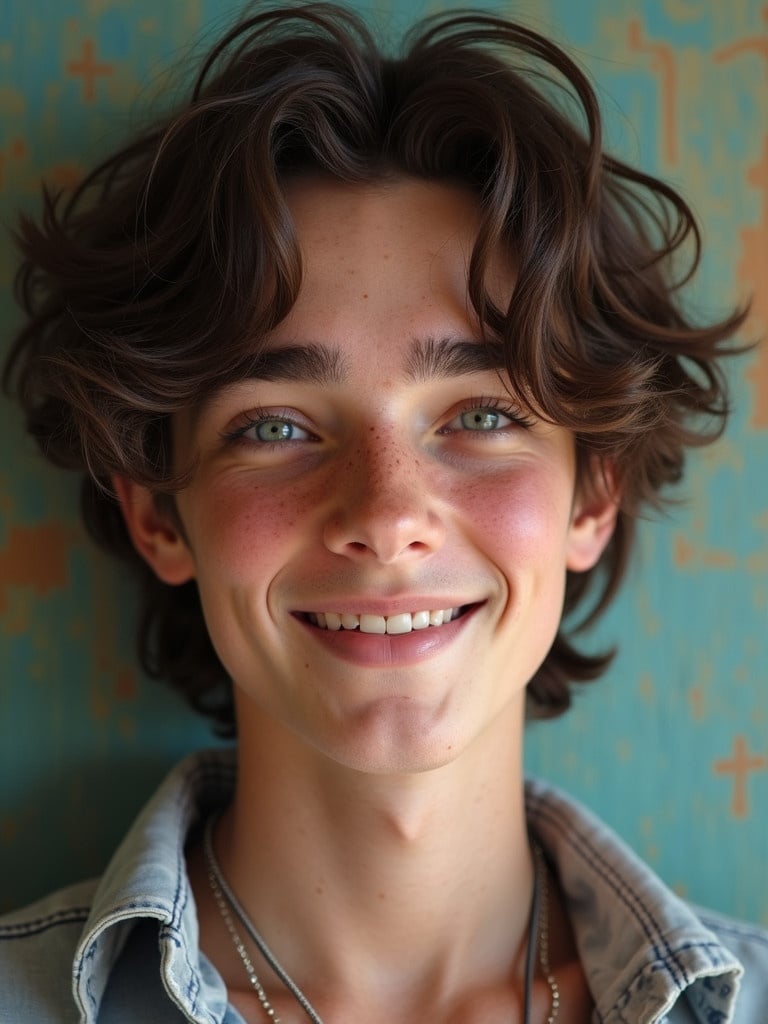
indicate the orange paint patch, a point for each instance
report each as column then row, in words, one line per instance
column 697, row 703
column 686, row 556
column 647, row 690
column 65, row 176
column 752, row 273
column 125, row 685
column 663, row 62
column 682, row 552
column 88, row 68
column 752, row 44
column 739, row 766
column 714, row 558
column 35, row 557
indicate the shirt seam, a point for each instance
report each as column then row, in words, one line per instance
column 75, row 915
column 589, row 854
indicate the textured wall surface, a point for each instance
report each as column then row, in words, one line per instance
column 672, row 747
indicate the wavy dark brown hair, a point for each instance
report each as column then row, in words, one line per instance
column 157, row 280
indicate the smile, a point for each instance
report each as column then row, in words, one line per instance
column 393, row 625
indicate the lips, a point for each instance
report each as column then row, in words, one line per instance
column 393, row 625
column 369, row 639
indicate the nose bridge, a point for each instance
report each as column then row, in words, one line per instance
column 384, row 505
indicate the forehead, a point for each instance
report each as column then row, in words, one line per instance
column 384, row 286
column 393, row 249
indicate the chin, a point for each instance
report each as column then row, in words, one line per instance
column 398, row 739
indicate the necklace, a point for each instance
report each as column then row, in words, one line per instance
column 226, row 901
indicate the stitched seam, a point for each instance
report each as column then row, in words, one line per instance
column 733, row 928
column 641, row 912
column 208, row 774
column 76, row 915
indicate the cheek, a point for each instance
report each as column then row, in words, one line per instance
column 521, row 516
column 240, row 526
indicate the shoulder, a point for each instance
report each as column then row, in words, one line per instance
column 642, row 946
column 37, row 948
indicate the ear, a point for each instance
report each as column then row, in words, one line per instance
column 594, row 519
column 156, row 537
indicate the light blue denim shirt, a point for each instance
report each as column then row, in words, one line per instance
column 124, row 949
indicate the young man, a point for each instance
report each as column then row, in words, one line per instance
column 369, row 364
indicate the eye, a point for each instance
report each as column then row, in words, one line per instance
column 482, row 419
column 485, row 416
column 268, row 429
column 276, row 430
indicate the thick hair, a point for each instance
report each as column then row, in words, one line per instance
column 159, row 278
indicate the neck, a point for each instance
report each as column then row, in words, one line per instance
column 417, row 883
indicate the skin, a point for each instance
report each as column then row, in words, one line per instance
column 377, row 832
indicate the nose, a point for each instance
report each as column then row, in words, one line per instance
column 383, row 508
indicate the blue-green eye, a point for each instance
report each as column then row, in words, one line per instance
column 483, row 419
column 269, row 430
column 277, row 430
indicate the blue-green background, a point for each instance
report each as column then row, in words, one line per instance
column 84, row 738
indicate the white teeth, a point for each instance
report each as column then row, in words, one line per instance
column 402, row 623
column 373, row 624
column 394, row 625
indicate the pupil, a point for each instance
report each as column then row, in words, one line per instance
column 274, row 430
column 483, row 420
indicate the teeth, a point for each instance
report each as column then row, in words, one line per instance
column 372, row 624
column 420, row 620
column 394, row 625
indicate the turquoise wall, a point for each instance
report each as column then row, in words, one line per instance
column 672, row 747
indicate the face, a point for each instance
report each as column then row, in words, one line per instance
column 379, row 533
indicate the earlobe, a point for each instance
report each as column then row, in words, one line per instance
column 593, row 523
column 155, row 536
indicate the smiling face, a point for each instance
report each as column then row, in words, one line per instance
column 378, row 532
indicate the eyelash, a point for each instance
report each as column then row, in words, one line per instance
column 512, row 412
column 258, row 416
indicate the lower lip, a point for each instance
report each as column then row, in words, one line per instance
column 377, row 650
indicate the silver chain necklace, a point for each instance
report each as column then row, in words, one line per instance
column 226, row 901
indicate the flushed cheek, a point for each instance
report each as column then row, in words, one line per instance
column 246, row 529
column 520, row 519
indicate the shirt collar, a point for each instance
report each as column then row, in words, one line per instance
column 147, row 878
column 640, row 945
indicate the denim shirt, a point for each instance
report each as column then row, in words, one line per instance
column 124, row 948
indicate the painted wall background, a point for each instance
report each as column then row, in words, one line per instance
column 672, row 747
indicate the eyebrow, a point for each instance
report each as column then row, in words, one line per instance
column 324, row 365
column 438, row 358
column 429, row 359
column 313, row 364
